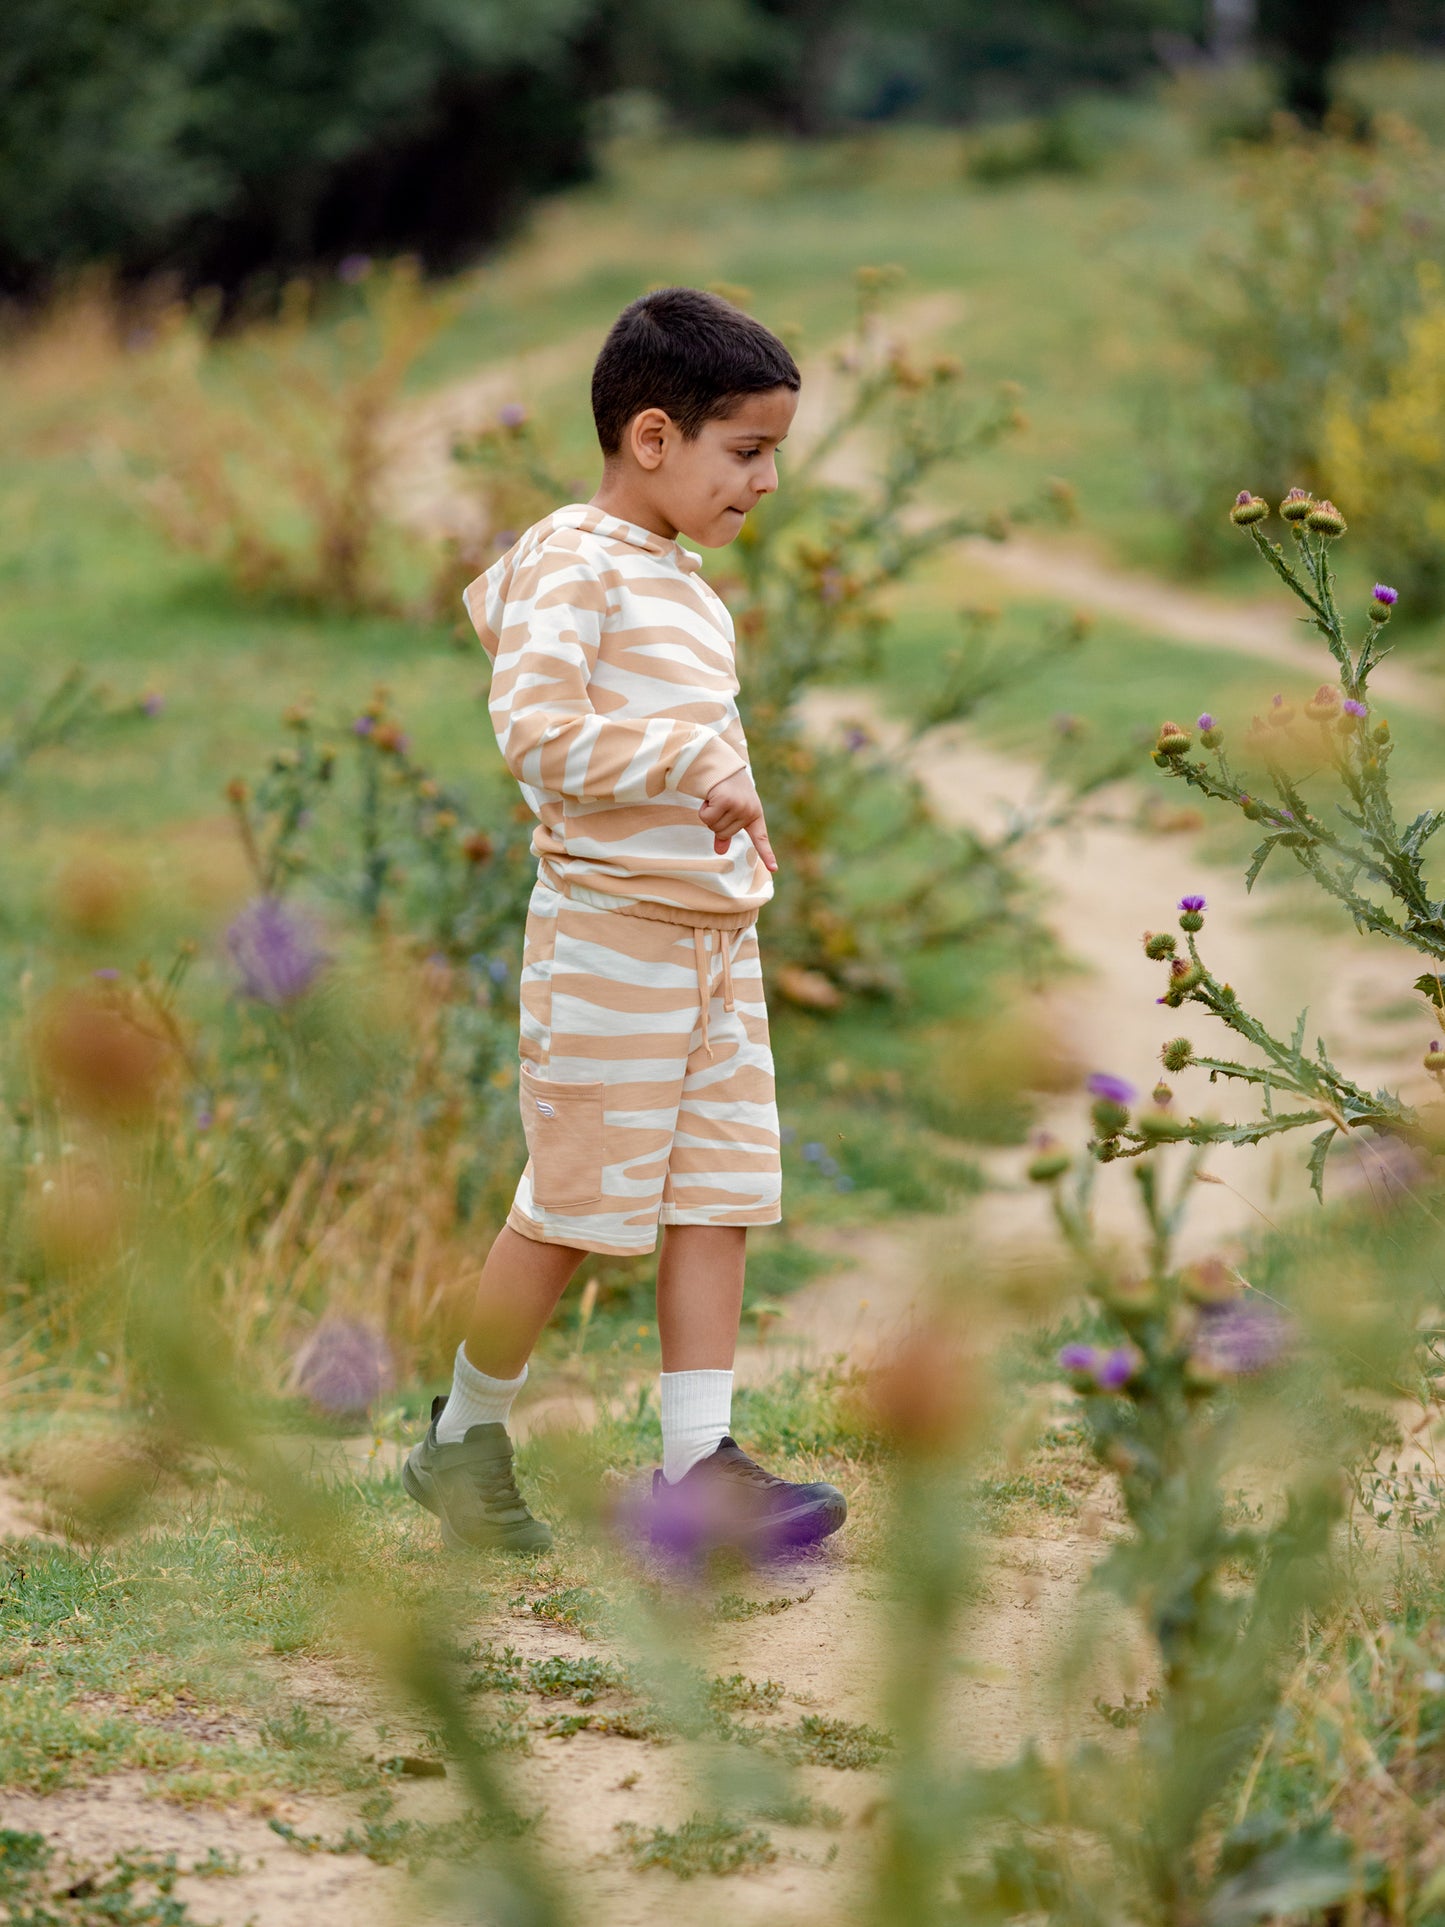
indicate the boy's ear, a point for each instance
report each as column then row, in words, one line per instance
column 647, row 436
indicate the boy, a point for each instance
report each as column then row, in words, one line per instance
column 646, row 1078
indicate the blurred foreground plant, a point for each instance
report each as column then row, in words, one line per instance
column 1351, row 843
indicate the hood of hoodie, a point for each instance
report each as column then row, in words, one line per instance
column 491, row 589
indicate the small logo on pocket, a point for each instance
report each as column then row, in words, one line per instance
column 546, row 1109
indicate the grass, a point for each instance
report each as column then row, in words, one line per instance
column 704, row 1844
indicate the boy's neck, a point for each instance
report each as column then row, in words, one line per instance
column 620, row 495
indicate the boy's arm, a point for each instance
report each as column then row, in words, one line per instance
column 550, row 735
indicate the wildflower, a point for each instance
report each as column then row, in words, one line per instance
column 352, row 268
column 1173, row 740
column 1210, row 734
column 363, row 726
column 108, row 974
column 1206, row 721
column 1433, row 1060
column 1078, row 1360
column 1281, row 713
column 499, row 970
column 1159, row 944
column 152, row 704
column 104, row 1062
column 1116, row 1368
column 1184, row 976
column 1325, row 519
column 512, row 414
column 275, row 951
column 814, row 1152
column 1192, row 913
column 477, row 846
column 1242, row 1339
column 856, row 739
column 1115, row 1090
column 1382, row 602
column 1296, row 505
column 344, row 1366
column 1209, row 1282
column 1251, row 809
column 1353, row 708
column 1177, row 1054
column 1248, row 508
column 1050, row 1159
column 1324, row 705
column 1193, row 903
column 389, row 739
column 1162, row 1095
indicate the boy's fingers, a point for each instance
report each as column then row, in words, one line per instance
column 722, row 844
column 758, row 833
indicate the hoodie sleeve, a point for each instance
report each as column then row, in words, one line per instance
column 548, row 627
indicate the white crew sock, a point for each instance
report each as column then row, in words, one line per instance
column 697, row 1409
column 475, row 1399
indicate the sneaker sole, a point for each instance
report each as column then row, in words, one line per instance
column 421, row 1486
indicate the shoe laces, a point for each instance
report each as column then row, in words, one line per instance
column 495, row 1482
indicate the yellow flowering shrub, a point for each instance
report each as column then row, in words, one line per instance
column 1386, row 456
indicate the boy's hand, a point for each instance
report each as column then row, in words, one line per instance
column 733, row 805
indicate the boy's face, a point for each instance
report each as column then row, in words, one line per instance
column 704, row 487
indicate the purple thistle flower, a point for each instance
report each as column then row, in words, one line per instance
column 107, row 974
column 1116, row 1090
column 1384, row 593
column 856, row 739
column 512, row 415
column 1115, row 1369
column 151, row 705
column 363, row 726
column 1078, row 1358
column 1194, row 904
column 275, row 951
column 814, row 1152
column 352, row 268
column 499, row 970
column 1242, row 1339
column 1353, row 708
column 344, row 1366
column 1206, row 721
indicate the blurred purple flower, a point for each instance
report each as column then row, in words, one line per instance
column 844, row 1183
column 352, row 268
column 363, row 726
column 204, row 1118
column 1115, row 1369
column 151, row 705
column 1384, row 593
column 1116, row 1090
column 1079, row 1358
column 856, row 739
column 1385, row 1169
column 1195, row 904
column 344, row 1366
column 1206, row 721
column 512, row 414
column 499, row 970
column 107, row 974
column 814, row 1152
column 1244, row 1338
column 504, row 538
column 1352, row 708
column 276, row 952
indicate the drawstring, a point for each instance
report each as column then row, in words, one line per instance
column 704, row 979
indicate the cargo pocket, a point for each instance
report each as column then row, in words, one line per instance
column 563, row 1128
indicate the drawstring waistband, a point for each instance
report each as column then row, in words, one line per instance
column 704, row 977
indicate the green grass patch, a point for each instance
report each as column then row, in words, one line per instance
column 703, row 1844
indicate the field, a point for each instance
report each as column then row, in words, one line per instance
column 1163, row 1647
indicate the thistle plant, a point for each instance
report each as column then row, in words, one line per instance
column 1318, row 788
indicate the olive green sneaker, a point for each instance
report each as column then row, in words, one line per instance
column 471, row 1488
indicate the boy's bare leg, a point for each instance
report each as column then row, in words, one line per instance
column 517, row 1293
column 700, row 1295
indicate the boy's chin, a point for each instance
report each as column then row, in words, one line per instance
column 717, row 534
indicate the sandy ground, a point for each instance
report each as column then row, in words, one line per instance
column 1101, row 884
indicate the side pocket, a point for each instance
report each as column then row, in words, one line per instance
column 563, row 1128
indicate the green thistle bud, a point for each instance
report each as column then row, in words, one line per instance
column 1048, row 1165
column 1191, row 921
column 1325, row 519
column 1159, row 944
column 1434, row 1058
column 1202, row 1375
column 1248, row 508
column 1251, row 809
column 1162, row 1094
column 1209, row 1281
column 1296, row 505
column 1173, row 740
column 1177, row 1054
column 1109, row 1117
column 1211, row 737
column 1381, row 731
column 1379, row 611
column 1324, row 705
column 1130, row 1297
column 1184, row 977
column 1107, row 1151
column 1157, row 1127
